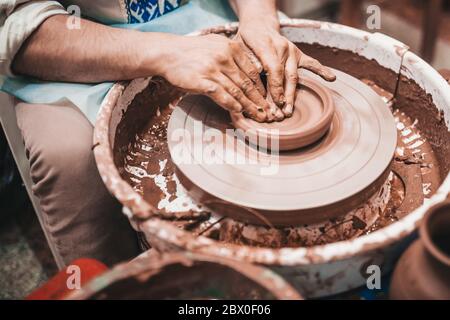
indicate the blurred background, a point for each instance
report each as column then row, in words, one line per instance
column 25, row 260
column 424, row 25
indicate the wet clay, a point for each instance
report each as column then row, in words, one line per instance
column 383, row 209
column 146, row 164
column 414, row 152
column 310, row 120
column 148, row 168
column 307, row 185
column 352, row 64
column 431, row 123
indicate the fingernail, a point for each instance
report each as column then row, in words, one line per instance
column 279, row 115
column 238, row 108
column 270, row 115
column 273, row 111
column 288, row 110
column 330, row 75
column 269, row 119
column 261, row 116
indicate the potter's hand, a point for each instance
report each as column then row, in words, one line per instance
column 280, row 59
column 219, row 68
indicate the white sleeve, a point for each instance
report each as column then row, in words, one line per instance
column 18, row 20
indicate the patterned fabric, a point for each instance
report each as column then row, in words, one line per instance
column 145, row 10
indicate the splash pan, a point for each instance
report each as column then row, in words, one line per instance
column 318, row 258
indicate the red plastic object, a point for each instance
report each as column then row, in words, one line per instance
column 57, row 287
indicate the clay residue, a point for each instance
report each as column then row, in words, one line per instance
column 414, row 169
column 148, row 168
column 418, row 105
column 353, row 64
column 346, row 227
column 143, row 160
column 159, row 93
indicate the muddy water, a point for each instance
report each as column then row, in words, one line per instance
column 414, row 178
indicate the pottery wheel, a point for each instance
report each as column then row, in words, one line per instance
column 321, row 181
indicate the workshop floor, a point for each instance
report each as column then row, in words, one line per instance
column 25, row 259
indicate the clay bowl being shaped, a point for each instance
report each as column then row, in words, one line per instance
column 293, row 187
column 154, row 276
column 312, row 117
column 423, row 271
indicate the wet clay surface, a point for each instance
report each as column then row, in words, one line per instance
column 353, row 64
column 144, row 162
column 431, row 123
column 149, row 170
column 307, row 185
column 311, row 118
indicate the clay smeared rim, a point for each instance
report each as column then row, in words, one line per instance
column 302, row 135
column 136, row 208
column 149, row 264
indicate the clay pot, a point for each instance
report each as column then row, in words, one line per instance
column 423, row 271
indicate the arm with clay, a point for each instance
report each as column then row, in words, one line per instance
column 212, row 65
column 259, row 30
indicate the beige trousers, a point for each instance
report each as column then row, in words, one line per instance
column 82, row 218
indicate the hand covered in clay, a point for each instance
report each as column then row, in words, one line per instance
column 281, row 60
column 219, row 68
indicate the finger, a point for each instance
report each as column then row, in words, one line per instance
column 254, row 111
column 249, row 53
column 220, row 96
column 290, row 82
column 283, row 52
column 315, row 66
column 249, row 89
column 274, row 67
column 275, row 79
column 275, row 110
column 273, row 59
column 248, row 63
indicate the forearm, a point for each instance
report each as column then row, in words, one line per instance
column 93, row 53
column 252, row 11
